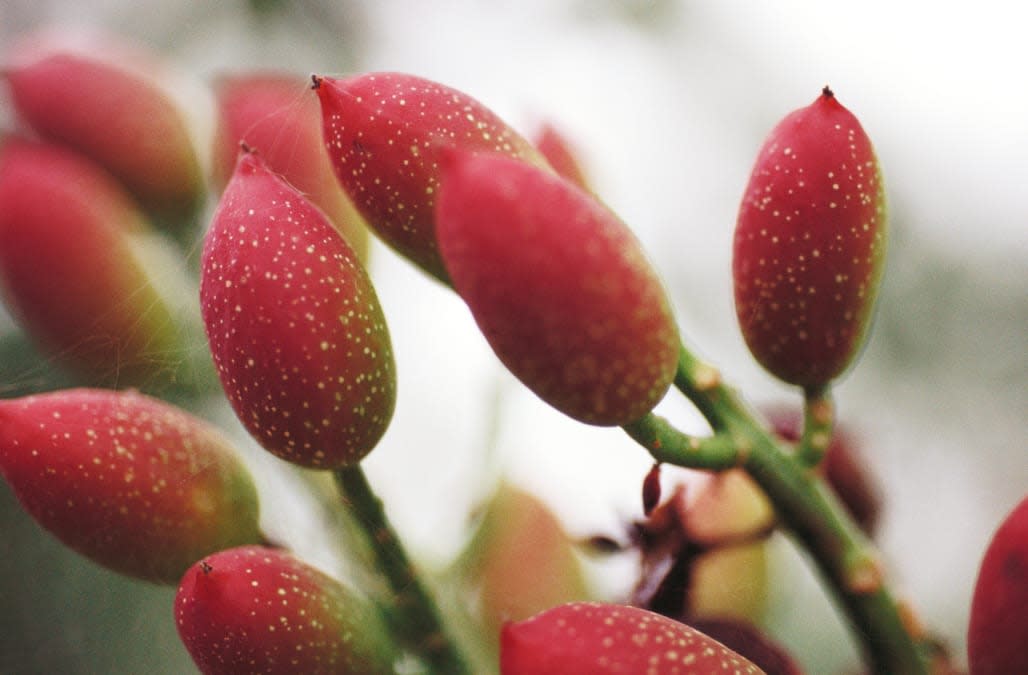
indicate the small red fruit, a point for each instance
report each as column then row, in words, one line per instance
column 593, row 638
column 277, row 115
column 386, row 133
column 108, row 100
column 255, row 610
column 85, row 274
column 810, row 245
column 294, row 324
column 129, row 481
column 559, row 286
column 997, row 637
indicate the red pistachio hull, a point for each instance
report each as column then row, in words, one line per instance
column 129, row 481
column 810, row 245
column 997, row 637
column 294, row 325
column 105, row 101
column 254, row 610
column 386, row 134
column 77, row 269
column 559, row 286
column 594, row 638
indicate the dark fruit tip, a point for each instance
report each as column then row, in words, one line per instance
column 316, row 81
column 206, row 567
column 827, row 92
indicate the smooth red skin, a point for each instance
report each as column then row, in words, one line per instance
column 277, row 115
column 559, row 286
column 294, row 325
column 66, row 270
column 113, row 116
column 386, row 134
column 997, row 636
column 592, row 639
column 133, row 483
column 254, row 610
column 810, row 245
column 557, row 150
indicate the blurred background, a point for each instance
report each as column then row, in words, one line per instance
column 667, row 102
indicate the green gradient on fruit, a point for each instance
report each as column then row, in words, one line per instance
column 85, row 275
column 133, row 483
column 386, row 134
column 810, row 244
column 294, row 324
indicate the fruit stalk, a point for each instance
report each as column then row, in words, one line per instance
column 701, row 384
column 805, row 507
column 818, row 419
column 414, row 613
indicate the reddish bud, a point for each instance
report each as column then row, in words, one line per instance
column 998, row 632
column 385, row 134
column 594, row 638
column 810, row 245
column 278, row 115
column 294, row 324
column 521, row 560
column 129, row 481
column 559, row 286
column 85, row 275
column 108, row 101
column 253, row 610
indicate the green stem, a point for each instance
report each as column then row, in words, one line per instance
column 807, row 509
column 701, row 383
column 818, row 419
column 667, row 444
column 846, row 559
column 416, row 615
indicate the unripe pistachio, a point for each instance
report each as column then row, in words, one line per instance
column 129, row 481
column 997, row 635
column 255, row 610
column 810, row 245
column 559, row 286
column 110, row 101
column 593, row 639
column 386, row 134
column 86, row 276
column 294, row 324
